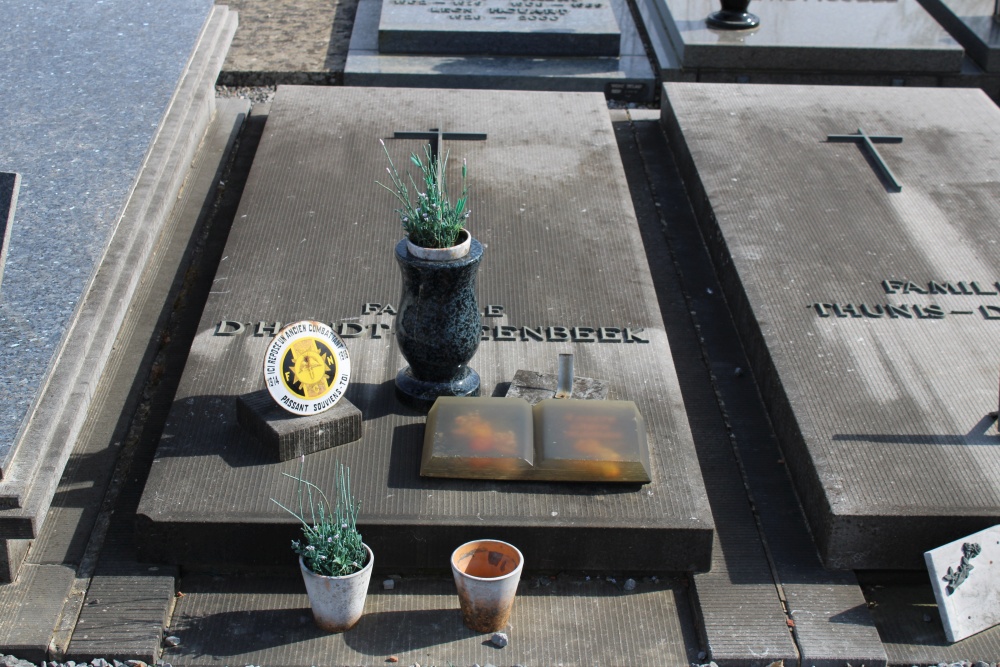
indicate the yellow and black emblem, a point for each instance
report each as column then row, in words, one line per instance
column 307, row 367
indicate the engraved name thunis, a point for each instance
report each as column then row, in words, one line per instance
column 944, row 290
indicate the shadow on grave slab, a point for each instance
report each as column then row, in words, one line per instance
column 978, row 435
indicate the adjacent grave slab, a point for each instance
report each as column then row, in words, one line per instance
column 965, row 576
column 78, row 157
column 499, row 27
column 802, row 36
column 596, row 47
column 870, row 315
column 314, row 238
column 971, row 22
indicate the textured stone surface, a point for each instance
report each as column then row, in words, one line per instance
column 78, row 157
column 289, row 42
column 803, row 36
column 883, row 412
column 290, row 436
column 534, row 387
column 627, row 77
column 285, row 261
column 971, row 22
column 499, row 27
column 567, row 621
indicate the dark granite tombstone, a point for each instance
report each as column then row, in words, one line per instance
column 591, row 45
column 871, row 42
column 974, row 24
column 563, row 270
column 499, row 27
column 871, row 313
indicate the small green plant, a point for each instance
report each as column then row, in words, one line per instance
column 431, row 221
column 332, row 546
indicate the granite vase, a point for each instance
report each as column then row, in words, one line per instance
column 438, row 326
column 338, row 602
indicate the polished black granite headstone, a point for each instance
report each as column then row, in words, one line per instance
column 871, row 315
column 563, row 270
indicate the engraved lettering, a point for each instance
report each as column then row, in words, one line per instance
column 631, row 336
column 898, row 311
column 504, row 332
column 228, row 328
column 533, row 334
column 270, row 329
column 609, row 335
column 557, row 333
column 350, row 330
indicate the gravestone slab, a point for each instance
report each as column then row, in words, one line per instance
column 971, row 22
column 802, row 36
column 870, row 314
column 9, row 185
column 499, row 27
column 600, row 51
column 965, row 576
column 78, row 158
column 314, row 238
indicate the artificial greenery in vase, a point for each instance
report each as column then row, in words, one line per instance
column 332, row 546
column 431, row 221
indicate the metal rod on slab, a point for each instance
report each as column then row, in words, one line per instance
column 564, row 388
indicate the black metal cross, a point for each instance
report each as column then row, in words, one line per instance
column 436, row 137
column 868, row 142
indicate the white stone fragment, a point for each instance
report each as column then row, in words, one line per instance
column 965, row 576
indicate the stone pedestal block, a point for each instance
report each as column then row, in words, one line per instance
column 291, row 435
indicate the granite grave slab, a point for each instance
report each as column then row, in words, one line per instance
column 896, row 39
column 965, row 576
column 78, row 158
column 869, row 313
column 9, row 185
column 499, row 27
column 500, row 44
column 34, row 462
column 314, row 238
column 973, row 24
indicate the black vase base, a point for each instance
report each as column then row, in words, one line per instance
column 725, row 19
column 421, row 394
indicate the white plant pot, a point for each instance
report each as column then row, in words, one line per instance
column 486, row 574
column 461, row 249
column 338, row 602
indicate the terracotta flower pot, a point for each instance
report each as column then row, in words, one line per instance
column 486, row 575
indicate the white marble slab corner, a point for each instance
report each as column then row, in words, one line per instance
column 965, row 575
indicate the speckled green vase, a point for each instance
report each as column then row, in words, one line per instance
column 438, row 326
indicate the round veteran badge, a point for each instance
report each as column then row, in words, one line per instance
column 307, row 368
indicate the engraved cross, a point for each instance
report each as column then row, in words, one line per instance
column 436, row 136
column 868, row 142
